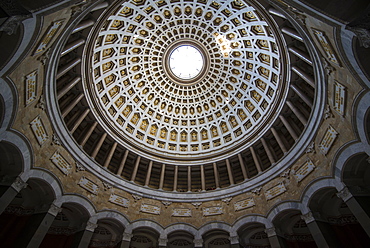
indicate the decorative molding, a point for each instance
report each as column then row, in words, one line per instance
column 80, row 7
column 339, row 98
column 275, row 191
column 227, row 200
column 181, row 212
column 18, row 210
column 150, row 209
column 91, row 226
column 327, row 112
column 212, row 211
column 136, row 197
column 44, row 57
column 41, row 103
column 39, row 130
column 79, row 167
column 48, row 36
column 311, row 148
column 54, row 210
column 119, row 200
column 343, row 220
column 234, row 240
column 345, row 194
column 31, row 87
column 285, row 173
column 328, row 140
column 127, row 236
column 55, row 140
column 61, row 163
column 362, row 34
column 162, row 242
column 196, row 204
column 329, row 69
column 166, row 203
column 256, row 191
column 326, row 46
column 19, row 184
column 244, row 204
column 270, row 231
column 198, row 242
column 106, row 186
column 308, row 218
column 89, row 185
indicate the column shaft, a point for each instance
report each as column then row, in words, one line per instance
column 133, row 176
column 279, row 140
column 65, row 68
column 88, row 133
column 202, row 177
column 217, row 179
column 79, row 120
column 72, row 46
column 175, row 178
column 292, row 33
column 148, row 173
column 268, row 150
column 161, row 180
column 82, row 25
column 256, row 159
column 229, row 172
column 300, row 93
column 297, row 113
column 242, row 166
column 289, row 127
column 122, row 164
column 68, row 87
column 73, row 104
column 110, row 155
column 304, row 76
column 300, row 54
column 189, row 178
column 98, row 146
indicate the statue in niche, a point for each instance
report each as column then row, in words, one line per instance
column 204, row 135
column 194, row 136
column 173, row 136
column 153, row 130
column 214, row 132
column 183, row 137
column 224, row 127
column 163, row 133
column 144, row 125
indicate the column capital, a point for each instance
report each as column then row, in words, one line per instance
column 270, row 231
column 198, row 242
column 91, row 226
column 127, row 236
column 162, row 242
column 234, row 239
column 54, row 210
column 344, row 194
column 308, row 218
column 19, row 184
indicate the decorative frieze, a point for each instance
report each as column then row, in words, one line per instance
column 339, row 97
column 39, row 131
column 275, row 191
column 48, row 37
column 89, row 185
column 326, row 46
column 62, row 164
column 181, row 212
column 150, row 209
column 31, row 88
column 304, row 170
column 119, row 200
column 244, row 204
column 212, row 211
column 328, row 140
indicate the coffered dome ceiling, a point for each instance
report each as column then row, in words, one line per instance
column 153, row 97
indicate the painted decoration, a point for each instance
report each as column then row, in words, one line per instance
column 328, row 140
column 31, row 88
column 326, row 46
column 243, row 204
column 150, row 209
column 181, row 212
column 61, row 163
column 275, row 191
column 89, row 185
column 48, row 36
column 39, row 131
column 304, row 170
column 212, row 211
column 119, row 200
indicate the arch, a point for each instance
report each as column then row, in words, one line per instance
column 111, row 214
column 250, row 219
column 11, row 163
column 180, row 227
column 145, row 223
column 213, row 226
column 315, row 187
column 78, row 200
column 282, row 207
column 49, row 178
column 363, row 119
column 10, row 43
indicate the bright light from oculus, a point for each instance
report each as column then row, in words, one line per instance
column 186, row 62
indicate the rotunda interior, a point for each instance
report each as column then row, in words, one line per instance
column 184, row 123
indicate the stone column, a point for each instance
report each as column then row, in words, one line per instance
column 44, row 226
column 357, row 210
column 11, row 192
column 86, row 236
column 198, row 243
column 275, row 240
column 321, row 232
column 126, row 239
column 162, row 242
